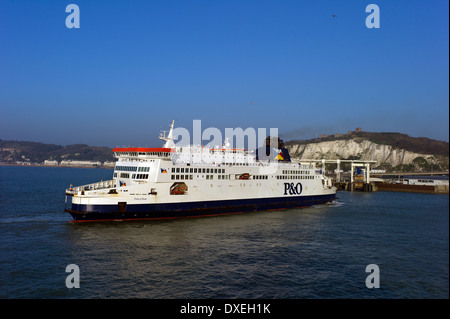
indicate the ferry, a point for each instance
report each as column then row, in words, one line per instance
column 193, row 181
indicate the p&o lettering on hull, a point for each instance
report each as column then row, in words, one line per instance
column 292, row 188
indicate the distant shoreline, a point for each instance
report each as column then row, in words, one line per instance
column 41, row 165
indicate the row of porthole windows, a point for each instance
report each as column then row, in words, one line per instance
column 198, row 170
column 296, row 172
column 294, row 177
column 134, row 176
column 126, row 168
column 208, row 177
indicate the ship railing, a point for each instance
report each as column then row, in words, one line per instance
column 93, row 186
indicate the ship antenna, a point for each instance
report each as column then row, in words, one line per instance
column 169, row 138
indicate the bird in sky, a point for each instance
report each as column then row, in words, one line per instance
column 333, row 15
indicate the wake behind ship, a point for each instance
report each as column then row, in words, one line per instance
column 191, row 181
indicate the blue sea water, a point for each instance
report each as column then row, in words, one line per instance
column 316, row 252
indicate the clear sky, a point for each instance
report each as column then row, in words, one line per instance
column 133, row 66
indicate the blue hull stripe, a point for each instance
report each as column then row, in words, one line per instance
column 192, row 209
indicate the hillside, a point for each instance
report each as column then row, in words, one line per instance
column 34, row 152
column 422, row 145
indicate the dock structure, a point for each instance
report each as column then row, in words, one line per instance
column 380, row 181
column 357, row 181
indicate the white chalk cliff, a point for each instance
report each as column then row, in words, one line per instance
column 357, row 148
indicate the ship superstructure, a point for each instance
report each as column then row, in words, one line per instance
column 187, row 181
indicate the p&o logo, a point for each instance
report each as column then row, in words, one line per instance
column 291, row 189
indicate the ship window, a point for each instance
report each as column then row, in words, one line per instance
column 172, row 177
column 141, row 176
column 173, row 169
column 215, row 170
column 207, row 176
column 195, row 170
column 178, row 169
column 204, row 171
column 182, row 170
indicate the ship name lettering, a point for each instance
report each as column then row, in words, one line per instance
column 292, row 189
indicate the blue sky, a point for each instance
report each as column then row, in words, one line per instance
column 133, row 66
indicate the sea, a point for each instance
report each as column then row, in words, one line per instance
column 381, row 245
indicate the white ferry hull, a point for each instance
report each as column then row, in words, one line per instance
column 93, row 212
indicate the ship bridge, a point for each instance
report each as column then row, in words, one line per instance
column 143, row 152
